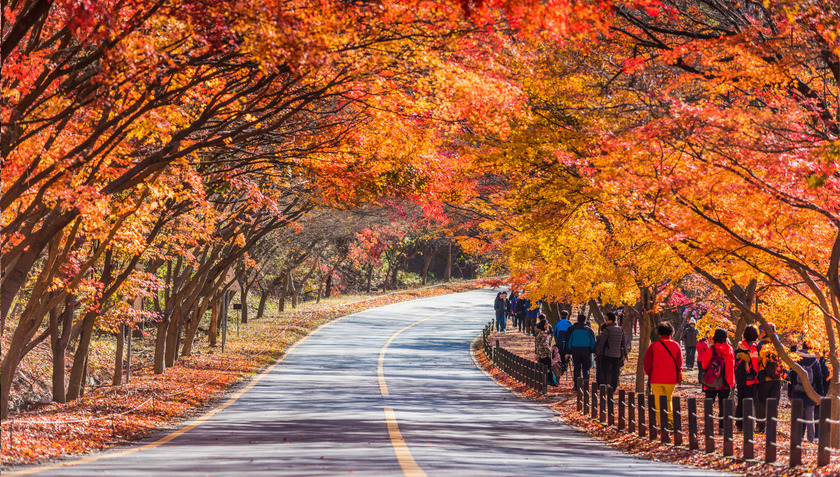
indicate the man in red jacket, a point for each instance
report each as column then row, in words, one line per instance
column 663, row 366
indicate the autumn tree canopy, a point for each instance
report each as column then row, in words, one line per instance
column 606, row 152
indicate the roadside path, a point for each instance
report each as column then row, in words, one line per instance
column 388, row 391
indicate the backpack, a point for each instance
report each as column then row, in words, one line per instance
column 773, row 369
column 752, row 361
column 799, row 387
column 713, row 377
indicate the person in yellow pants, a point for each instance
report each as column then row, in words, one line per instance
column 663, row 366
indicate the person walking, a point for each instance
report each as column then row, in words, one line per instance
column 522, row 307
column 719, row 370
column 796, row 390
column 531, row 315
column 542, row 346
column 561, row 337
column 746, row 371
column 611, row 349
column 514, row 307
column 663, row 366
column 500, row 306
column 702, row 348
column 581, row 344
column 771, row 372
column 689, row 339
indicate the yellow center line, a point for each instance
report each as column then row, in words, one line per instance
column 407, row 463
column 191, row 426
column 409, row 466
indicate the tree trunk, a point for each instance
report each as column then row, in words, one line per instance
column 644, row 342
column 192, row 328
column 118, row 357
column 243, row 300
column 79, row 369
column 427, row 262
column 214, row 321
column 160, row 346
column 369, row 277
column 59, row 344
column 328, row 288
column 447, row 272
column 261, row 306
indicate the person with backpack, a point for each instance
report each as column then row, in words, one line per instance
column 746, row 371
column 719, row 366
column 500, row 306
column 581, row 344
column 689, row 339
column 561, row 336
column 771, row 372
column 663, row 366
column 702, row 348
column 796, row 390
column 542, row 346
column 611, row 348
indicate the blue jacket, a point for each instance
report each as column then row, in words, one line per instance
column 561, row 330
column 532, row 312
column 581, row 337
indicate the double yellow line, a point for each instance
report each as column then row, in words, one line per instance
column 407, row 463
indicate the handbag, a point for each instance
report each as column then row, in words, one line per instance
column 679, row 369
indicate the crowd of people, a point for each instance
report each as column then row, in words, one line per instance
column 752, row 369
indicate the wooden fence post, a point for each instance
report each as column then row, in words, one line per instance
column 602, row 415
column 594, row 387
column 770, row 428
column 641, row 408
column 693, row 441
column 610, row 407
column 709, row 425
column 677, row 405
column 651, row 405
column 621, row 398
column 631, row 412
column 579, row 395
column 749, row 429
column 583, row 388
column 823, row 454
column 728, row 444
column 795, row 432
column 665, row 436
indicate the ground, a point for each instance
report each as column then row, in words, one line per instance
column 562, row 399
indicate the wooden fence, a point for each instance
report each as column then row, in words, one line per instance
column 533, row 374
column 637, row 413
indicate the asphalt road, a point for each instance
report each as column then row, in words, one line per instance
column 389, row 391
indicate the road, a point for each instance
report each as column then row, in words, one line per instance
column 389, row 391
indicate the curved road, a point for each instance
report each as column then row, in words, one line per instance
column 389, row 391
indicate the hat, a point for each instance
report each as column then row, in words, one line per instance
column 692, row 321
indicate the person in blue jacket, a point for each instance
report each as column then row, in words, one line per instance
column 581, row 344
column 561, row 338
column 531, row 319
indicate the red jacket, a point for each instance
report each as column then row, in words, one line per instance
column 724, row 350
column 659, row 365
column 702, row 347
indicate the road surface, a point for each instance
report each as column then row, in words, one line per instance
column 390, row 391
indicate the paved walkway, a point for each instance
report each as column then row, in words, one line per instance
column 379, row 394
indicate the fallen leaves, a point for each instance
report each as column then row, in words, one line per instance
column 111, row 416
column 562, row 400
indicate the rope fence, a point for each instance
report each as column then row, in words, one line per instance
column 648, row 417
